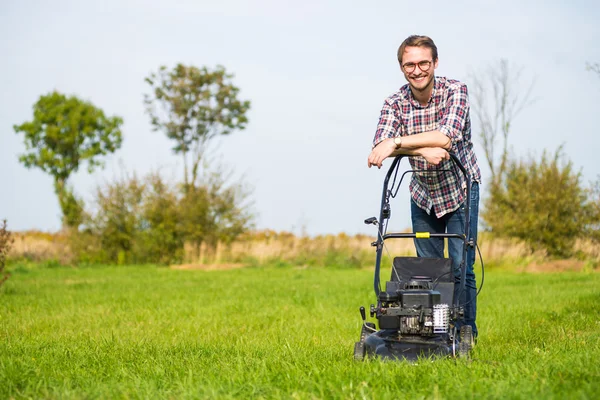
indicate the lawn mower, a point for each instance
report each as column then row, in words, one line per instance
column 419, row 311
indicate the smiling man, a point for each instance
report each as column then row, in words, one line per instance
column 426, row 119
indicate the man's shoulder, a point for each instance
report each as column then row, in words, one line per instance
column 398, row 96
column 448, row 84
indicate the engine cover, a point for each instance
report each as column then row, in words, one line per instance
column 409, row 311
column 419, row 298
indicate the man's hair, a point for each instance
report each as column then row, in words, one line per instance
column 418, row 41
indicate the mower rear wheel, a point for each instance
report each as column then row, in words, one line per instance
column 466, row 341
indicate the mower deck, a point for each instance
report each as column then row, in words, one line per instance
column 385, row 344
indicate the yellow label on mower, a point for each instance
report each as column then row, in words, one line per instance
column 422, row 235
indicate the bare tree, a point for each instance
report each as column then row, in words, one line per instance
column 593, row 67
column 498, row 97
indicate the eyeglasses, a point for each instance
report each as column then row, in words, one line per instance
column 423, row 66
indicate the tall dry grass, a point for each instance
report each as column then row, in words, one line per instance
column 267, row 246
column 39, row 246
column 263, row 247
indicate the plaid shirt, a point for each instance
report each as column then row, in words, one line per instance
column 448, row 112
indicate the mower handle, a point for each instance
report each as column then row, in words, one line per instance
column 383, row 235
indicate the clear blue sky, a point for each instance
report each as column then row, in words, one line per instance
column 316, row 72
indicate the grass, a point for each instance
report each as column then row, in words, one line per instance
column 148, row 332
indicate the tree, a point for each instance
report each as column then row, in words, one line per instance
column 542, row 203
column 498, row 98
column 66, row 132
column 192, row 106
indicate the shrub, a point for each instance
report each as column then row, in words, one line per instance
column 6, row 241
column 149, row 220
column 160, row 238
column 116, row 222
column 214, row 212
column 542, row 203
column 593, row 228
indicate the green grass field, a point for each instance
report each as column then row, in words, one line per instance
column 148, row 332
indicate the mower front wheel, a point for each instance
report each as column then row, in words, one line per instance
column 359, row 351
column 365, row 331
column 359, row 347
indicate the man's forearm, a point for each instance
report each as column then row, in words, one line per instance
column 425, row 139
column 387, row 148
column 406, row 152
column 433, row 155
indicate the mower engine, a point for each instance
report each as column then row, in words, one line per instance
column 412, row 308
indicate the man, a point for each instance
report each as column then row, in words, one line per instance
column 427, row 118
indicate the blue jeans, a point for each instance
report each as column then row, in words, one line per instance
column 453, row 222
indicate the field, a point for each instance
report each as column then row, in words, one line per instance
column 156, row 332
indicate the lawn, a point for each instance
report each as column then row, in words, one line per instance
column 152, row 332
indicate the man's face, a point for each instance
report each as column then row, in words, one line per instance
column 414, row 61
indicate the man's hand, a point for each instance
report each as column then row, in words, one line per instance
column 434, row 155
column 382, row 151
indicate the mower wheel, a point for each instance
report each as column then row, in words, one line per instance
column 466, row 341
column 359, row 351
column 364, row 332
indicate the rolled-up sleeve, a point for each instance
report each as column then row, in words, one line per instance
column 456, row 113
column 388, row 125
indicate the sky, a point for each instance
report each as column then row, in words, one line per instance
column 316, row 73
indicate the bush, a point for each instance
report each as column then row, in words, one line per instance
column 160, row 238
column 116, row 222
column 542, row 203
column 214, row 212
column 6, row 241
column 138, row 221
column 593, row 228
